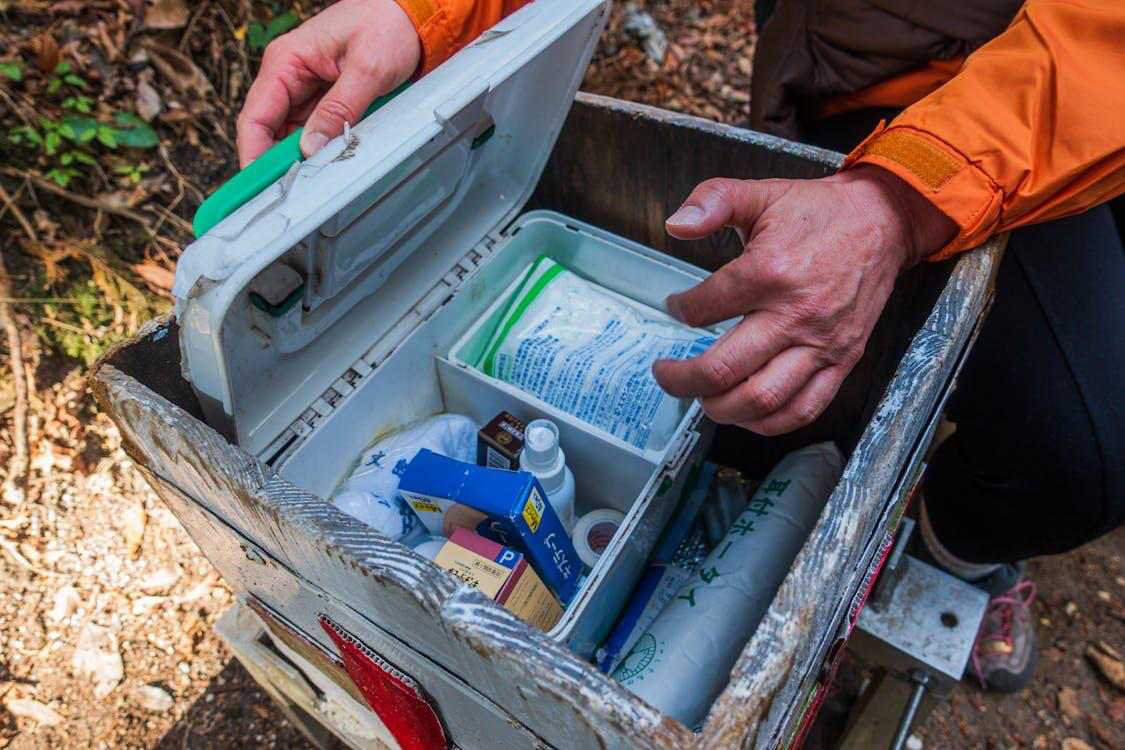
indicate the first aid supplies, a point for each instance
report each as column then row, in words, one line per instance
column 509, row 507
column 502, row 574
column 543, row 457
column 589, row 352
column 593, row 533
column 681, row 662
column 500, row 442
column 370, row 494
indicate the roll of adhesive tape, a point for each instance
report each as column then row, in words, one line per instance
column 593, row 533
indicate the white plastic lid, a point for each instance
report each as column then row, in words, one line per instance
column 367, row 227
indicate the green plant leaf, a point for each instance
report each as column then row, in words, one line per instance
column 135, row 132
column 75, row 81
column 139, row 137
column 66, row 158
column 128, row 119
column 14, row 70
column 78, row 128
column 85, row 158
column 54, row 85
column 51, row 142
column 107, row 136
column 258, row 37
column 62, row 68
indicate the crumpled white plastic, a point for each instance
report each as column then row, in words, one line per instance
column 370, row 494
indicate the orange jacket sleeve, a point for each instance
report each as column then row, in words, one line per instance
column 446, row 26
column 1032, row 127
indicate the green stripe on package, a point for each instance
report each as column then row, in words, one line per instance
column 589, row 352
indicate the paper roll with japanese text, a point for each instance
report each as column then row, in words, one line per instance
column 682, row 661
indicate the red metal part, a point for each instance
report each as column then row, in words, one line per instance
column 392, row 695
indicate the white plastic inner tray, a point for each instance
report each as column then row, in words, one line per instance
column 419, row 380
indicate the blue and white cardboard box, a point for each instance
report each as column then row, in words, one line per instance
column 508, row 507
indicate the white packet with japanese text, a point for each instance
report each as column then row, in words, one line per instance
column 589, row 352
column 682, row 661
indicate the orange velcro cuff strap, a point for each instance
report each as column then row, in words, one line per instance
column 946, row 178
column 429, row 18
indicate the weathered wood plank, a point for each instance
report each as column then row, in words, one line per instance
column 778, row 666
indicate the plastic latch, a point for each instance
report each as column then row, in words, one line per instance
column 260, row 174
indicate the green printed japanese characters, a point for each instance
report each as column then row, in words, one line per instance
column 681, row 662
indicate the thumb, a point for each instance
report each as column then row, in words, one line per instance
column 358, row 85
column 719, row 203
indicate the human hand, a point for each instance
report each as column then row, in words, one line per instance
column 820, row 261
column 325, row 73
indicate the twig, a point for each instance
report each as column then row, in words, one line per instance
column 94, row 203
column 184, row 182
column 18, row 468
column 11, row 548
column 10, row 205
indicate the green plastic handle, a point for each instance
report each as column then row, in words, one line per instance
column 260, row 174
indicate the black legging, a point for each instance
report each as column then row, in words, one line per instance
column 1037, row 463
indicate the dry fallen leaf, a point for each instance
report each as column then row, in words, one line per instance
column 180, row 71
column 47, row 55
column 157, row 277
column 166, row 14
column 1108, row 663
column 27, row 708
column 148, row 101
column 1068, row 704
column 1073, row 743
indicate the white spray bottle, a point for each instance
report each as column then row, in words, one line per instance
column 543, row 457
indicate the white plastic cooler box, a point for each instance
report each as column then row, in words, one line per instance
column 345, row 301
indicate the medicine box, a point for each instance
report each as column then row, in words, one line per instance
column 508, row 507
column 502, row 574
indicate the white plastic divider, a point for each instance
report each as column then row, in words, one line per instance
column 422, row 376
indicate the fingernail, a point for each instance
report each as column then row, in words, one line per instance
column 686, row 215
column 313, row 141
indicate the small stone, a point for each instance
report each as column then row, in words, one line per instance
column 152, row 698
column 97, row 658
column 27, row 708
column 1071, row 608
column 160, row 581
column 1104, row 596
column 67, row 600
column 913, row 743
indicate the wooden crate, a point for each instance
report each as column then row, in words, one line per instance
column 495, row 682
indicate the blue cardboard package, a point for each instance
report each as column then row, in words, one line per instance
column 508, row 507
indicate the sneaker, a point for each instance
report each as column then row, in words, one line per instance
column 1003, row 658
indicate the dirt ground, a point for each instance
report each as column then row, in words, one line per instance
column 107, row 606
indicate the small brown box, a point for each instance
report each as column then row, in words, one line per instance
column 500, row 441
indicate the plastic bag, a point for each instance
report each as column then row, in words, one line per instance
column 370, row 494
column 588, row 352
